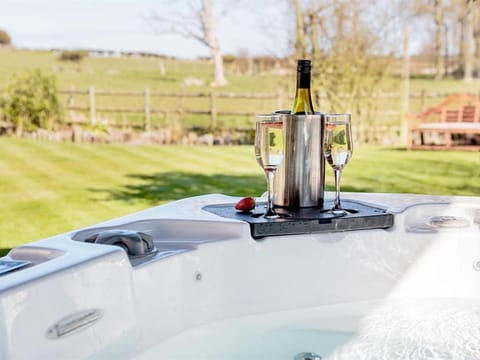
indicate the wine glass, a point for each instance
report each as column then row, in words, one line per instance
column 337, row 148
column 269, row 142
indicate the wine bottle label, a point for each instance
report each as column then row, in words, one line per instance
column 304, row 81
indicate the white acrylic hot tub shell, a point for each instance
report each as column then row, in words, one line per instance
column 223, row 273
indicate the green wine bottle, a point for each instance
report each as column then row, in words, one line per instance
column 302, row 104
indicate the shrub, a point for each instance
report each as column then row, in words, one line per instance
column 5, row 38
column 73, row 55
column 31, row 101
column 228, row 59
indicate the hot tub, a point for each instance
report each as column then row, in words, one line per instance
column 210, row 290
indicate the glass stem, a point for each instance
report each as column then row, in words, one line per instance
column 270, row 174
column 338, row 174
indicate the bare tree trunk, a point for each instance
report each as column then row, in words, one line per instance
column 446, row 61
column 208, row 24
column 438, row 40
column 356, row 15
column 461, row 40
column 197, row 23
column 468, row 42
column 19, row 127
column 340, row 18
column 477, row 53
column 313, row 35
column 300, row 43
column 476, row 38
column 406, row 85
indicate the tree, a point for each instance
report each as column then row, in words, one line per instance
column 74, row 56
column 462, row 31
column 476, row 36
column 5, row 39
column 300, row 43
column 198, row 23
column 32, row 102
column 438, row 39
column 209, row 38
column 468, row 67
column 351, row 56
column 468, row 40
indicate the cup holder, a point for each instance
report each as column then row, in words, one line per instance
column 448, row 222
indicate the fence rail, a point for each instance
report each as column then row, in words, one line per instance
column 147, row 95
column 148, row 110
column 146, row 105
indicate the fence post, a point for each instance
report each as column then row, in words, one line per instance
column 213, row 110
column 71, row 101
column 147, row 110
column 422, row 99
column 317, row 97
column 91, row 105
column 279, row 99
column 71, row 96
column 182, row 100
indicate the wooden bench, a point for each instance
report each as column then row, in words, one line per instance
column 452, row 124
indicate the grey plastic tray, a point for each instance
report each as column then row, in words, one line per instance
column 308, row 220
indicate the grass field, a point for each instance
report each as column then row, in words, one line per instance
column 48, row 188
column 136, row 74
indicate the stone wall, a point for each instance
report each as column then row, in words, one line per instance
column 161, row 136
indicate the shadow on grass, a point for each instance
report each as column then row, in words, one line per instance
column 4, row 251
column 170, row 186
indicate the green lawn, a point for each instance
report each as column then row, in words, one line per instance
column 131, row 73
column 136, row 74
column 48, row 188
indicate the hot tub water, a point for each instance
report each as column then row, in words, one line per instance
column 395, row 329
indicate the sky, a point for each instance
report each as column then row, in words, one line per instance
column 121, row 25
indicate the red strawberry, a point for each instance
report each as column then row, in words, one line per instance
column 246, row 204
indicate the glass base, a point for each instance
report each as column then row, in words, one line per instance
column 339, row 211
column 335, row 212
column 271, row 214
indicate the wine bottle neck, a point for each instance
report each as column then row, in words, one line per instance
column 302, row 104
column 303, row 80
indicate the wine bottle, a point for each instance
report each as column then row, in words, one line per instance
column 302, row 105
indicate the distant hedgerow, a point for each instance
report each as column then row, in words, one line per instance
column 73, row 55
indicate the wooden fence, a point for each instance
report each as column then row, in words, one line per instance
column 388, row 122
column 400, row 104
column 147, row 110
column 212, row 96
